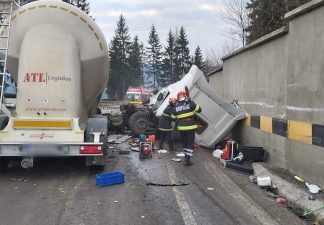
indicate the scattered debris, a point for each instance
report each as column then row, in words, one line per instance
column 61, row 190
column 176, row 160
column 313, row 188
column 135, row 145
column 162, row 151
column 243, row 167
column 299, row 179
column 253, row 179
column 273, row 189
column 20, row 179
column 218, row 153
column 124, row 151
column 210, row 188
column 118, row 139
column 181, row 155
column 167, row 185
column 319, row 221
column 135, row 148
column 272, row 195
column 282, row 201
column 312, row 197
column 239, row 158
column 313, row 211
column 146, row 149
column 253, row 154
column 264, row 181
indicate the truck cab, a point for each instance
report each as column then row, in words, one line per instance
column 217, row 118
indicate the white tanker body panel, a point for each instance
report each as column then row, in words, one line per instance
column 59, row 59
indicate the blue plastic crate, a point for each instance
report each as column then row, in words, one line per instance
column 107, row 179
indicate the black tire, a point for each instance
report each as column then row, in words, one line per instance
column 4, row 163
column 139, row 122
column 3, row 122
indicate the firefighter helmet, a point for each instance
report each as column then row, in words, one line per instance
column 181, row 96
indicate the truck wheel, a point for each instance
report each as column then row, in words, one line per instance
column 4, row 163
column 139, row 122
column 3, row 122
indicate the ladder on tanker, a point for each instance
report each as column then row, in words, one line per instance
column 6, row 9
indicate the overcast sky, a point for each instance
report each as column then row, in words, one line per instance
column 201, row 19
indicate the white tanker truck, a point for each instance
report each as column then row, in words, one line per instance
column 59, row 59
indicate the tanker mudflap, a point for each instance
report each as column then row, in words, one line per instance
column 95, row 161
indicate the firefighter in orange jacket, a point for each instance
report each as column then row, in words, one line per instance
column 184, row 112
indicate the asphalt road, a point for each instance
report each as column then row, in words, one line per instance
column 63, row 191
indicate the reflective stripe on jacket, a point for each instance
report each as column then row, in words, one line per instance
column 165, row 121
column 184, row 112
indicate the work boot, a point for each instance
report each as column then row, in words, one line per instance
column 187, row 161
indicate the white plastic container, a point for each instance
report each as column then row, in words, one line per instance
column 264, row 181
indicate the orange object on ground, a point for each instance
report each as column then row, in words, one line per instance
column 226, row 154
column 151, row 139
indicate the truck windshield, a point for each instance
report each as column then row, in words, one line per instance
column 160, row 97
column 133, row 97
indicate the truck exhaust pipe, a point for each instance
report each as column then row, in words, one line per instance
column 27, row 163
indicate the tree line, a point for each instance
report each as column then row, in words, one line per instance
column 251, row 19
column 152, row 65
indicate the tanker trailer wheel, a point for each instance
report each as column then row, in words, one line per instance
column 139, row 122
column 4, row 163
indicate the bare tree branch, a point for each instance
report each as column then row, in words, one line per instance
column 235, row 15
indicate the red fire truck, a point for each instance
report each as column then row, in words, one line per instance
column 137, row 95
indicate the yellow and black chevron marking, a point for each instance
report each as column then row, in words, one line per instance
column 64, row 10
column 294, row 130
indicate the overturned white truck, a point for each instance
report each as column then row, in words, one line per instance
column 59, row 59
column 215, row 121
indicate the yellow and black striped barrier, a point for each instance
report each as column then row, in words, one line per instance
column 294, row 130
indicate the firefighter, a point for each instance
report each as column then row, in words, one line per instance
column 184, row 112
column 165, row 125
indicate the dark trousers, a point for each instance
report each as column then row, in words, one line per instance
column 188, row 138
column 165, row 136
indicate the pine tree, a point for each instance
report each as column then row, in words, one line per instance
column 183, row 54
column 198, row 58
column 135, row 63
column 169, row 59
column 83, row 5
column 119, row 68
column 265, row 17
column 154, row 60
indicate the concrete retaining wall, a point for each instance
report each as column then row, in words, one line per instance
column 280, row 78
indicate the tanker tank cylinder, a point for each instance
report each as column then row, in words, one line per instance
column 59, row 58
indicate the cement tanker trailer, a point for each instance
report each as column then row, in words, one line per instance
column 59, row 59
